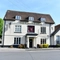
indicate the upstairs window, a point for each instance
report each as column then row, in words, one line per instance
column 43, row 30
column 18, row 17
column 31, row 18
column 18, row 28
column 31, row 29
column 43, row 19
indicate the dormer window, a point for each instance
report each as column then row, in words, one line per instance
column 31, row 18
column 18, row 17
column 43, row 19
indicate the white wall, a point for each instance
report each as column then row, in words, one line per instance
column 52, row 40
column 9, row 39
column 58, row 33
column 9, row 33
column 52, row 28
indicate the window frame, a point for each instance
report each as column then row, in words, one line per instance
column 43, row 41
column 30, row 31
column 58, row 39
column 17, row 17
column 17, row 40
column 43, row 30
column 18, row 29
column 31, row 18
column 43, row 19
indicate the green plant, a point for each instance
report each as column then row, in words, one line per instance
column 45, row 45
column 21, row 46
column 1, row 26
column 58, row 45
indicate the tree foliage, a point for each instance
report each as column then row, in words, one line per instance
column 1, row 26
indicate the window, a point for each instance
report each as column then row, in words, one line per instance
column 30, row 29
column 43, row 19
column 58, row 39
column 43, row 30
column 18, row 17
column 31, row 18
column 17, row 40
column 43, row 41
column 17, row 28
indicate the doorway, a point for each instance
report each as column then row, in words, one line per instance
column 31, row 43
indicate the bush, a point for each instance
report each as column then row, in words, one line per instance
column 58, row 45
column 45, row 45
column 21, row 46
column 41, row 46
column 25, row 45
column 11, row 46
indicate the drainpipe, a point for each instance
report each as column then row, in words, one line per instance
column 50, row 33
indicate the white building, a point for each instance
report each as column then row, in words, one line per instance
column 26, row 28
column 55, row 36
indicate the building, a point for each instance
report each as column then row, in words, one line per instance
column 55, row 36
column 26, row 28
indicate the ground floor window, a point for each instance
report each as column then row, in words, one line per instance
column 17, row 40
column 43, row 41
column 58, row 39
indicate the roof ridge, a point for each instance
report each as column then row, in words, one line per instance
column 28, row 12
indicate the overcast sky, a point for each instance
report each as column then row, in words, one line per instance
column 51, row 7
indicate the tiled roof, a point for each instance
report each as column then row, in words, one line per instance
column 10, row 15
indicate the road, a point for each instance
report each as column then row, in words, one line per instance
column 30, row 55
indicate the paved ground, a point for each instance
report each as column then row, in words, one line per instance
column 19, row 54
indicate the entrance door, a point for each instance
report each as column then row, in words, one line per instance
column 30, row 43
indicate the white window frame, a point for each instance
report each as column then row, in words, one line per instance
column 58, row 39
column 18, row 17
column 31, row 18
column 43, row 41
column 42, row 30
column 18, row 28
column 43, row 19
column 17, row 40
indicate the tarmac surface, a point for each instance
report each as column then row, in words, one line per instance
column 29, row 54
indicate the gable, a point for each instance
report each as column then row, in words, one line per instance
column 57, row 31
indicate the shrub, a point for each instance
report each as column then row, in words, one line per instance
column 25, row 45
column 45, row 45
column 58, row 45
column 21, row 46
column 11, row 46
column 41, row 46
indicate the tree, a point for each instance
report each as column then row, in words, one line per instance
column 1, row 27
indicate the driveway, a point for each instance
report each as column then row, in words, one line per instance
column 29, row 55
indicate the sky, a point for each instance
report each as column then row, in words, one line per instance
column 51, row 7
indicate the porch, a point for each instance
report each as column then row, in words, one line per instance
column 31, row 41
